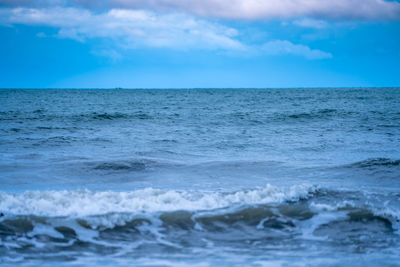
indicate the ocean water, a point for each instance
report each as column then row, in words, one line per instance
column 283, row 177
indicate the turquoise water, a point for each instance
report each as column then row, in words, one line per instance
column 200, row 177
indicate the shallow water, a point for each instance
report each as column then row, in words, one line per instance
column 200, row 177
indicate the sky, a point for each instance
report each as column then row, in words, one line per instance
column 199, row 43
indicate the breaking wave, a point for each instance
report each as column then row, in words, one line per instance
column 85, row 203
column 53, row 223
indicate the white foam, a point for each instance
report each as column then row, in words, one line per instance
column 384, row 209
column 320, row 207
column 41, row 229
column 308, row 227
column 87, row 203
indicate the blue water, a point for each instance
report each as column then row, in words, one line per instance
column 200, row 177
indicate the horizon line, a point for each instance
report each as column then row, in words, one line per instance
column 196, row 88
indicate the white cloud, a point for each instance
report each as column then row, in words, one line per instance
column 41, row 35
column 311, row 23
column 282, row 47
column 108, row 53
column 33, row 3
column 131, row 28
column 243, row 9
column 266, row 9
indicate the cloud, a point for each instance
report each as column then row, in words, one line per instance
column 283, row 47
column 108, row 53
column 32, row 3
column 41, row 35
column 311, row 23
column 245, row 9
column 130, row 28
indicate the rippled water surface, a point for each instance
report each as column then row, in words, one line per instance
column 200, row 177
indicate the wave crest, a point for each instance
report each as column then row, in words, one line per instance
column 86, row 203
column 376, row 163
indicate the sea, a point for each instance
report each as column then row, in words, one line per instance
column 200, row 177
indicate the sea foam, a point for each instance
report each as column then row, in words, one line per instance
column 86, row 203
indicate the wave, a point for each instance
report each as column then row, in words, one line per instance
column 323, row 113
column 148, row 163
column 41, row 115
column 117, row 115
column 107, row 116
column 51, row 222
column 87, row 203
column 121, row 166
column 49, row 141
column 279, row 217
column 376, row 163
column 270, row 206
column 128, row 165
column 260, row 223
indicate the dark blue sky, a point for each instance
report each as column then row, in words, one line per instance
column 177, row 44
